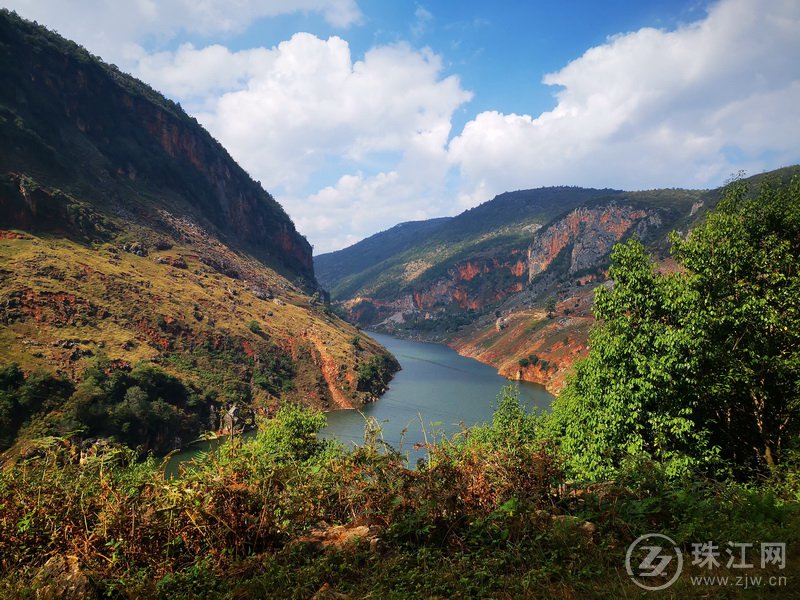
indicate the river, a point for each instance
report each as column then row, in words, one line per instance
column 436, row 392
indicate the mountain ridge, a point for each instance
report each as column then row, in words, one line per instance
column 135, row 142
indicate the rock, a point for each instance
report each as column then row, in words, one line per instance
column 229, row 419
column 62, row 578
column 340, row 537
column 586, row 527
column 261, row 293
column 326, row 593
column 136, row 248
column 173, row 261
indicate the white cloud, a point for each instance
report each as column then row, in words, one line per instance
column 290, row 112
column 653, row 108
column 201, row 74
column 422, row 20
column 116, row 30
column 351, row 146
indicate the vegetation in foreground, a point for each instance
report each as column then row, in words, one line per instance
column 682, row 421
column 491, row 514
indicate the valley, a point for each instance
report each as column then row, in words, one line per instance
column 504, row 403
column 510, row 282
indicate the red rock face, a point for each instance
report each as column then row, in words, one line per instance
column 464, row 286
column 12, row 235
column 468, row 271
column 454, row 289
column 588, row 234
column 242, row 202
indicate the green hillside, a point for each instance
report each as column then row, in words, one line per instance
column 332, row 267
column 496, row 226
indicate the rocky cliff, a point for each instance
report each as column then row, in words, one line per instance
column 587, row 235
column 573, row 245
column 79, row 125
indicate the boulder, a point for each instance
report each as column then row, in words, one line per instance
column 61, row 578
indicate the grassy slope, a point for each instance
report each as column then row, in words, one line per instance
column 121, row 300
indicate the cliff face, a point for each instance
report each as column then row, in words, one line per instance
column 587, row 235
column 469, row 285
column 574, row 245
column 79, row 125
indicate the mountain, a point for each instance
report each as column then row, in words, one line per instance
column 511, row 281
column 130, row 240
column 479, row 258
column 495, row 228
column 333, row 267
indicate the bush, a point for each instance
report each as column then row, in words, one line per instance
column 22, row 398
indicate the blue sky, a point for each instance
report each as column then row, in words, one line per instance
column 357, row 115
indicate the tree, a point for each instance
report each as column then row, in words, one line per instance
column 747, row 263
column 634, row 393
column 701, row 367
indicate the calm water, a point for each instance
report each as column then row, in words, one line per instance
column 436, row 392
column 436, row 388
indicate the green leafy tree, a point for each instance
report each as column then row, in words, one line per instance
column 635, row 392
column 701, row 367
column 22, row 398
column 291, row 435
column 746, row 260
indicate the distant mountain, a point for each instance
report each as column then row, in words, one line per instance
column 333, row 267
column 511, row 281
column 498, row 227
column 128, row 236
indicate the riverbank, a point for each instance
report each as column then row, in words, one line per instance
column 436, row 393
